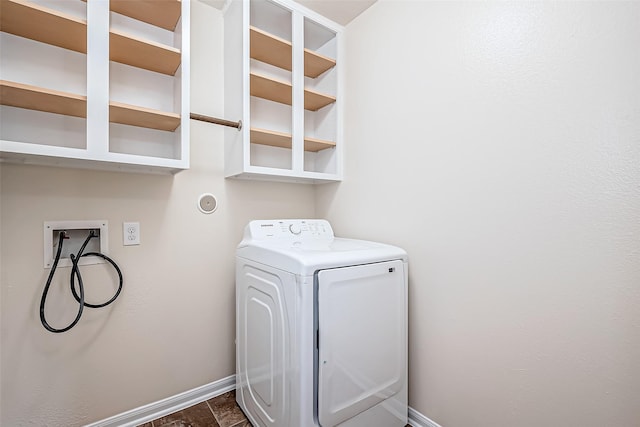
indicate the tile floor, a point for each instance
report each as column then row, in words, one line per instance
column 220, row 411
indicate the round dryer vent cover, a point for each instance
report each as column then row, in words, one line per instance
column 207, row 203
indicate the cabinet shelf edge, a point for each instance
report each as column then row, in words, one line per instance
column 284, row 140
column 132, row 115
column 129, row 50
column 31, row 97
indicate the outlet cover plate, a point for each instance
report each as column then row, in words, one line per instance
column 130, row 233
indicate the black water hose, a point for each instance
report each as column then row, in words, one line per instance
column 75, row 271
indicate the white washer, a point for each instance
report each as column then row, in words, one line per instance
column 321, row 328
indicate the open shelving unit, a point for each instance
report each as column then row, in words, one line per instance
column 26, row 24
column 290, row 90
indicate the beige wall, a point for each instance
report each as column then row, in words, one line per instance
column 173, row 327
column 499, row 143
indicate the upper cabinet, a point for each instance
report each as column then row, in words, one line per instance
column 97, row 84
column 283, row 79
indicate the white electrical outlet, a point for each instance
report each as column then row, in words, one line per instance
column 130, row 233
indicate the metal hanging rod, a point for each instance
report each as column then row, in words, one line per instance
column 216, row 121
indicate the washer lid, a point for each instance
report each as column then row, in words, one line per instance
column 280, row 245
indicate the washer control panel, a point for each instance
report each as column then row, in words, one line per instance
column 289, row 229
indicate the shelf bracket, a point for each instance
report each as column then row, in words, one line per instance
column 216, row 121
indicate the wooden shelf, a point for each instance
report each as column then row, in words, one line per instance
column 69, row 104
column 270, row 49
column 143, row 117
column 145, row 54
column 45, row 25
column 40, row 99
column 313, row 101
column 270, row 137
column 267, row 88
column 279, row 91
column 284, row 140
column 315, row 144
column 276, row 51
column 161, row 13
column 316, row 64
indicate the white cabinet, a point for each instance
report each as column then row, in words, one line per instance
column 98, row 84
column 283, row 80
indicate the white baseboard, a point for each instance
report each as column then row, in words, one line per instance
column 191, row 397
column 169, row 405
column 416, row 419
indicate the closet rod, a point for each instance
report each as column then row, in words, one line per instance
column 216, row 121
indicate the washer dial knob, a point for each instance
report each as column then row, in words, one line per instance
column 295, row 229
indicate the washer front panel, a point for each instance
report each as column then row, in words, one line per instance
column 362, row 345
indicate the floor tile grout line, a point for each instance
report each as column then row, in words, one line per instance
column 215, row 417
